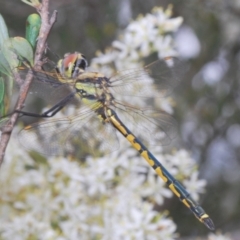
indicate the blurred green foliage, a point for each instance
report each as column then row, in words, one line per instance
column 33, row 25
column 11, row 52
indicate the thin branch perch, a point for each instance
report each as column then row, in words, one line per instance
column 41, row 45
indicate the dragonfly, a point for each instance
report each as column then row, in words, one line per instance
column 97, row 94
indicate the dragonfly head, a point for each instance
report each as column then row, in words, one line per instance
column 72, row 65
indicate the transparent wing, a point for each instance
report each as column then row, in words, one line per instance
column 158, row 77
column 49, row 86
column 82, row 132
column 152, row 127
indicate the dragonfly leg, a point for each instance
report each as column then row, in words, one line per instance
column 50, row 112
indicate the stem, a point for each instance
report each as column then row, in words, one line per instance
column 41, row 45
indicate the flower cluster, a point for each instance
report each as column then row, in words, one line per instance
column 112, row 197
column 59, row 199
column 147, row 35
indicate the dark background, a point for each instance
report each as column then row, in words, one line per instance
column 208, row 101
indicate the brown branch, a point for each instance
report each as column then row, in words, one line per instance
column 41, row 45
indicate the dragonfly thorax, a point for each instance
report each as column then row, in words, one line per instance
column 91, row 89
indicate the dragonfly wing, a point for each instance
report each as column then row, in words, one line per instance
column 101, row 138
column 49, row 86
column 158, row 78
column 153, row 127
column 49, row 137
column 80, row 134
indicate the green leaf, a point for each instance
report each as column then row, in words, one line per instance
column 3, row 31
column 13, row 51
column 33, row 25
column 22, row 48
column 5, row 93
column 9, row 58
column 1, row 89
column 2, row 93
column 4, row 66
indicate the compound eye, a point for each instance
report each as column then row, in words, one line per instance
column 82, row 64
column 79, row 67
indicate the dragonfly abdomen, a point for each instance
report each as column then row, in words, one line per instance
column 175, row 186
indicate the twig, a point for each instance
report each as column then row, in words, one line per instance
column 41, row 45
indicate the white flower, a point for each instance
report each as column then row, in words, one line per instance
column 164, row 46
column 195, row 185
column 157, row 188
column 141, row 38
column 218, row 236
column 167, row 24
